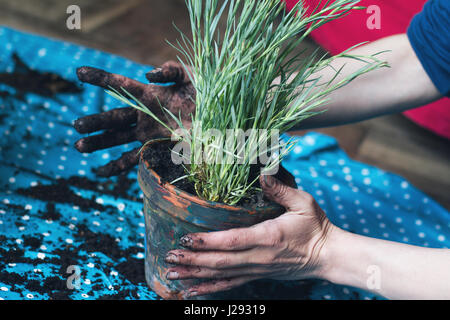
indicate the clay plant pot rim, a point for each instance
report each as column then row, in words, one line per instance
column 211, row 204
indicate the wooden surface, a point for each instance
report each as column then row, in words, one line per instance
column 138, row 29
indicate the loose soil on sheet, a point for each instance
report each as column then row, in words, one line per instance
column 26, row 80
column 85, row 240
column 60, row 191
column 55, row 287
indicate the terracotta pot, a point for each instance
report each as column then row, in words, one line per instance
column 171, row 213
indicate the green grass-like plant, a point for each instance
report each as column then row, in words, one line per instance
column 248, row 78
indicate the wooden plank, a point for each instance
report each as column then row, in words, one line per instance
column 93, row 13
column 47, row 10
column 107, row 14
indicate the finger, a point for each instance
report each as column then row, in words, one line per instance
column 116, row 118
column 290, row 198
column 195, row 272
column 217, row 286
column 127, row 161
column 232, row 239
column 104, row 79
column 106, row 140
column 170, row 71
column 214, row 259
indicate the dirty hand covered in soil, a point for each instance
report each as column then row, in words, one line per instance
column 58, row 218
column 124, row 125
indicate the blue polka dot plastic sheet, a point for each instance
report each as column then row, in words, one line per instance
column 83, row 237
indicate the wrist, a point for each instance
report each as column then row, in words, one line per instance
column 332, row 255
column 346, row 258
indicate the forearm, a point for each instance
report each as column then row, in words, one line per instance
column 393, row 270
column 405, row 85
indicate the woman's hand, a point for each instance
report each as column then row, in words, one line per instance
column 289, row 247
column 125, row 125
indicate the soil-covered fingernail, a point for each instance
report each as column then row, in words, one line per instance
column 189, row 294
column 78, row 125
column 172, row 275
column 81, row 72
column 80, row 146
column 186, row 241
column 171, row 258
column 155, row 75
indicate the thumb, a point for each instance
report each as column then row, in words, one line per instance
column 170, row 71
column 280, row 193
